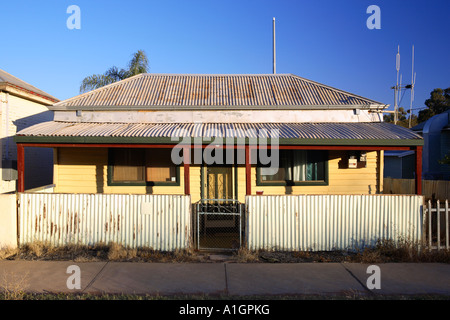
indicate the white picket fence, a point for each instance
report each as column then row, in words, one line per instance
column 436, row 224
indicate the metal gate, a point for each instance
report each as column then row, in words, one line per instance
column 219, row 224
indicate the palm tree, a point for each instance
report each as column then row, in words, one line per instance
column 138, row 64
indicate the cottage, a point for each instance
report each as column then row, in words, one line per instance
column 23, row 105
column 118, row 139
column 218, row 138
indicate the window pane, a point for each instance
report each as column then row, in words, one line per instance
column 297, row 166
column 159, row 166
column 284, row 171
column 128, row 165
column 316, row 165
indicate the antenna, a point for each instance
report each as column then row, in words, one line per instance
column 397, row 67
column 398, row 87
column 413, row 81
column 274, row 50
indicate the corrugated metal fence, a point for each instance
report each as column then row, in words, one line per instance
column 161, row 222
column 331, row 222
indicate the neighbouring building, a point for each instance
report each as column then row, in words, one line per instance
column 436, row 135
column 23, row 105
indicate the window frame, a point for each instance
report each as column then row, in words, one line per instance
column 110, row 181
column 324, row 182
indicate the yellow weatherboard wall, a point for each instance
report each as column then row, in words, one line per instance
column 84, row 170
column 340, row 180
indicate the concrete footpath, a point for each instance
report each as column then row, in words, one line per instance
column 223, row 278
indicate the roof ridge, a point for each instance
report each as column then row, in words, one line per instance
column 99, row 89
column 217, row 74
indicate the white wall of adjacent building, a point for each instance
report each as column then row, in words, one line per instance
column 18, row 113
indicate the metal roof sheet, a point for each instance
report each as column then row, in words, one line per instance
column 307, row 131
column 193, row 91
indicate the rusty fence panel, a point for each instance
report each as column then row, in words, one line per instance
column 161, row 222
column 331, row 222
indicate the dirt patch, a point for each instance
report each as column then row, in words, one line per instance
column 306, row 256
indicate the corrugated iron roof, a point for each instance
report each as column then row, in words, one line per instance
column 366, row 131
column 194, row 91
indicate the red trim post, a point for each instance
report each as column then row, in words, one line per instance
column 20, row 168
column 418, row 179
column 186, row 162
column 248, row 171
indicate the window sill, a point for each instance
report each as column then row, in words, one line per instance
column 143, row 184
column 295, row 184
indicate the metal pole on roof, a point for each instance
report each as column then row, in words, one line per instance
column 274, row 51
column 413, row 82
column 397, row 67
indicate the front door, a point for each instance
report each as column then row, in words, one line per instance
column 218, row 212
column 218, row 183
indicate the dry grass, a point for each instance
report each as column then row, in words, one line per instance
column 13, row 286
column 7, row 252
column 100, row 252
column 384, row 251
column 246, row 255
column 39, row 250
column 401, row 251
column 117, row 252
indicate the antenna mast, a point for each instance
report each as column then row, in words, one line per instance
column 274, row 50
column 413, row 81
column 396, row 88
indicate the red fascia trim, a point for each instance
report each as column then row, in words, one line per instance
column 97, row 145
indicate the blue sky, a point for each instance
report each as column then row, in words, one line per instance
column 322, row 40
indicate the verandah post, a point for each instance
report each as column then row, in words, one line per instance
column 20, row 168
column 248, row 169
column 418, row 180
column 186, row 162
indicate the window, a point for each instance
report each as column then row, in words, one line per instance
column 296, row 167
column 135, row 166
column 128, row 165
column 159, row 166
